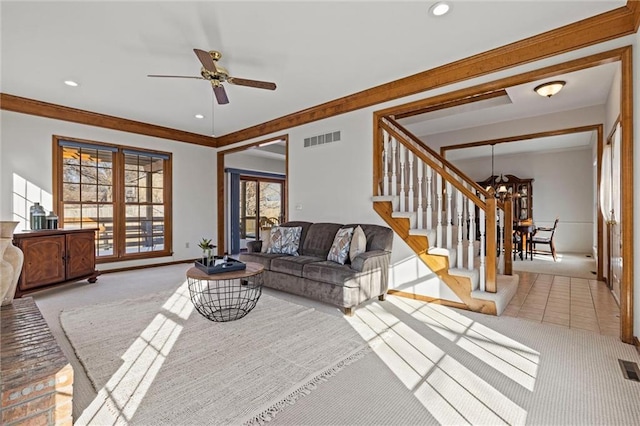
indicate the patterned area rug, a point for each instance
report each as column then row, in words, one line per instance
column 155, row 360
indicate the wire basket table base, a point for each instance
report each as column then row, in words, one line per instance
column 227, row 296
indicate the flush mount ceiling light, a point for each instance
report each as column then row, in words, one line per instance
column 71, row 83
column 440, row 8
column 199, row 116
column 549, row 89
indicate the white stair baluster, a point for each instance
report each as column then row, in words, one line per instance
column 429, row 192
column 385, row 159
column 410, row 177
column 449, row 216
column 394, row 158
column 420, row 171
column 402, row 178
column 439, row 213
column 459, row 209
column 482, row 251
column 471, row 234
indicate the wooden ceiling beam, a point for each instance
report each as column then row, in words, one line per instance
column 60, row 112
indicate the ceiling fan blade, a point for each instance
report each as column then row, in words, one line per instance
column 252, row 83
column 206, row 60
column 174, row 76
column 221, row 95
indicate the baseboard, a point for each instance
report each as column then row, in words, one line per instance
column 636, row 342
column 153, row 265
column 428, row 299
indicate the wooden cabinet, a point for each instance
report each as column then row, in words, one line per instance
column 520, row 189
column 55, row 256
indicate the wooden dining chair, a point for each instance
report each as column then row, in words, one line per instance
column 543, row 235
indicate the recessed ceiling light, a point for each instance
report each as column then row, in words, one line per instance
column 199, row 116
column 71, row 83
column 440, row 8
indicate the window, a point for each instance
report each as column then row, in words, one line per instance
column 125, row 193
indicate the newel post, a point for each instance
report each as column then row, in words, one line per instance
column 492, row 239
column 508, row 235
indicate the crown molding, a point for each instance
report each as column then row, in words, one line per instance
column 634, row 10
column 59, row 112
column 597, row 29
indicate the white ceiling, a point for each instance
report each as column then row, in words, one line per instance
column 314, row 51
column 570, row 141
column 583, row 88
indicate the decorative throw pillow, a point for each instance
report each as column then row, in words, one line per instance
column 358, row 243
column 339, row 250
column 285, row 240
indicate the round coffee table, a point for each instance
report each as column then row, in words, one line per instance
column 225, row 296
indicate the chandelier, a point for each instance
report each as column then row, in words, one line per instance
column 497, row 182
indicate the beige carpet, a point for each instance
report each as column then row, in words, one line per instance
column 155, row 360
column 434, row 365
column 578, row 265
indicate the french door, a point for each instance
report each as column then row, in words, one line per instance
column 260, row 204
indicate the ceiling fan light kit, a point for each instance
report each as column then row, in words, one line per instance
column 217, row 75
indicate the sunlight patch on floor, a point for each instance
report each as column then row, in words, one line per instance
column 118, row 400
column 452, row 393
column 511, row 358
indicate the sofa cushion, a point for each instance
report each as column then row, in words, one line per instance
column 339, row 251
column 330, row 272
column 262, row 258
column 358, row 243
column 285, row 240
column 319, row 239
column 378, row 237
column 292, row 265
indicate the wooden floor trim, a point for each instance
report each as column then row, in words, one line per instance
column 428, row 299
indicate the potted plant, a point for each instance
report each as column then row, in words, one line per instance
column 207, row 251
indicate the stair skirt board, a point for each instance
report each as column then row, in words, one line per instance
column 422, row 298
column 507, row 288
column 403, row 225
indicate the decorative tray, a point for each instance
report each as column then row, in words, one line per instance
column 219, row 265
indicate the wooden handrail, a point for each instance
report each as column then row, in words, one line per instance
column 444, row 161
column 443, row 172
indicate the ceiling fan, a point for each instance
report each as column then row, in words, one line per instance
column 217, row 75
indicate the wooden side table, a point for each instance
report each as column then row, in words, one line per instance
column 225, row 296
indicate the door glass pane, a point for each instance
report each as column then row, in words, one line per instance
column 248, row 210
column 270, row 204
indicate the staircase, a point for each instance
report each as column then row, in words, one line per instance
column 449, row 221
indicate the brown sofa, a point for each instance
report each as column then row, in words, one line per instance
column 310, row 274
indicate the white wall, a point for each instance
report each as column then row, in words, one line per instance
column 612, row 107
column 560, row 120
column 26, row 150
column 558, row 190
column 247, row 161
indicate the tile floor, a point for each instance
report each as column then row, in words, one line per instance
column 566, row 301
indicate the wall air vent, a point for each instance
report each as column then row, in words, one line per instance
column 322, row 139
